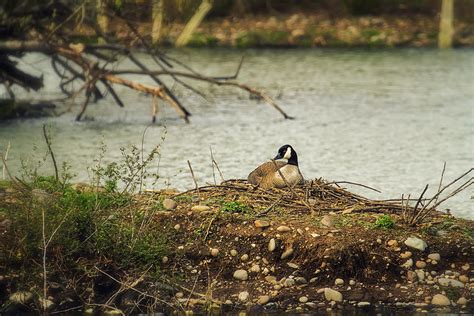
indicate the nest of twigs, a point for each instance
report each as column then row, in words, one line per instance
column 321, row 196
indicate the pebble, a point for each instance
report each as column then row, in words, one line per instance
column 420, row 274
column 434, row 256
column 45, row 304
column 420, row 264
column 289, row 282
column 265, row 271
column 339, row 282
column 303, row 299
column 21, row 297
column 287, row 253
column 283, row 229
column 406, row 255
column 408, row 264
column 241, row 275
column 416, row 243
column 332, row 295
column 177, row 227
column 461, row 301
column 264, row 299
column 328, row 221
column 466, row 267
column 352, row 282
column 293, row 265
column 300, row 280
column 450, row 282
column 363, row 304
column 261, row 223
column 392, row 243
column 179, row 295
column 463, row 278
column 271, row 245
column 243, row 296
column 244, row 257
column 255, row 268
column 233, row 252
column 412, row 276
column 200, row 208
column 164, row 259
column 214, row 252
column 271, row 279
column 440, row 300
column 169, row 204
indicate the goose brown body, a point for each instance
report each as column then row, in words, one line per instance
column 268, row 175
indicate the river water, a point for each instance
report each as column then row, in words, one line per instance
column 385, row 118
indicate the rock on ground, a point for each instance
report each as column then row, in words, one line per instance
column 440, row 300
column 416, row 243
column 332, row 295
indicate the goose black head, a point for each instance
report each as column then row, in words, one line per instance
column 287, row 152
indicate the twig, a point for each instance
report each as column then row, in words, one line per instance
column 192, row 174
column 217, row 166
column 6, row 158
column 441, row 180
column 48, row 143
column 355, row 183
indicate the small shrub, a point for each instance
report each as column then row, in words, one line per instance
column 384, row 221
column 234, row 207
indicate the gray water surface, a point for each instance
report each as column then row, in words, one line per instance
column 387, row 119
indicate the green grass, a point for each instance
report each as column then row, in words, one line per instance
column 234, row 207
column 385, row 222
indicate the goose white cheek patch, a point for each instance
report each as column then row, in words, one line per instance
column 287, row 153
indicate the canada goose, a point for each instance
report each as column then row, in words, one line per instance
column 267, row 175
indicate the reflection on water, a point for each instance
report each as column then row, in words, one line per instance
column 388, row 119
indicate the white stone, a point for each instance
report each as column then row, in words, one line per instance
column 434, row 256
column 244, row 257
column 200, row 208
column 169, row 204
column 440, row 300
column 408, row 263
column 233, row 252
column 303, row 299
column 328, row 221
column 264, row 299
column 450, row 282
column 462, row 301
column 243, row 296
column 339, row 282
column 332, row 295
column 214, row 252
column 241, row 275
column 271, row 245
column 416, row 243
column 287, row 253
column 363, row 304
column 255, row 268
column 283, row 229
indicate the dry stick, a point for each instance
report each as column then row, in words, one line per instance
column 212, row 165
column 217, row 166
column 142, row 171
column 134, row 289
column 355, row 183
column 251, row 90
column 6, row 158
column 84, row 105
column 45, row 246
column 414, row 212
column 441, row 180
column 154, row 108
column 48, row 143
column 290, row 187
column 447, row 186
column 192, row 291
column 194, row 178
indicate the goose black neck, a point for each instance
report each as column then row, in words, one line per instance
column 293, row 159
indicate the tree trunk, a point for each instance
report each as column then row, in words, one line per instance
column 193, row 23
column 157, row 16
column 445, row 38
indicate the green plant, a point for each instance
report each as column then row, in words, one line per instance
column 384, row 221
column 234, row 207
